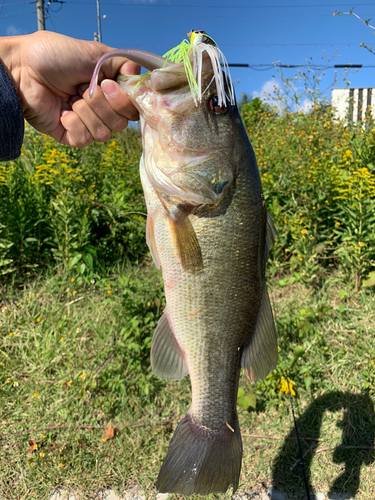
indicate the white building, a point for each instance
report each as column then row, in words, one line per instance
column 351, row 104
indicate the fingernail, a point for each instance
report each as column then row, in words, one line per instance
column 109, row 88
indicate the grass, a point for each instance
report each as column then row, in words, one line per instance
column 74, row 360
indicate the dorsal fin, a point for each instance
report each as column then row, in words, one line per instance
column 271, row 234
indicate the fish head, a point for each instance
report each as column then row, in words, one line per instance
column 188, row 143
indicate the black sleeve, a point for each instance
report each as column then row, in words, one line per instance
column 11, row 119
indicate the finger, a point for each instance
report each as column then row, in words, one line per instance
column 75, row 132
column 118, row 100
column 99, row 130
column 101, row 107
column 130, row 68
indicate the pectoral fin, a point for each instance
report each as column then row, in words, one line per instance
column 260, row 356
column 186, row 245
column 150, row 240
column 167, row 359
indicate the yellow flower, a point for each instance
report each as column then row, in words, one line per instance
column 7, row 380
column 357, row 248
column 82, row 376
column 11, row 334
column 41, row 454
column 283, row 387
column 109, row 291
column 372, row 362
column 314, row 208
column 287, row 249
column 38, row 320
column 61, row 464
column 337, row 223
column 108, row 285
column 62, row 338
column 304, row 231
column 360, row 244
column 72, row 280
column 74, row 292
column 35, row 394
column 69, row 383
column 15, row 384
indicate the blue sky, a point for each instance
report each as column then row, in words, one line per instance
column 247, row 31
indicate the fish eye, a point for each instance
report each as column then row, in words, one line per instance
column 214, row 105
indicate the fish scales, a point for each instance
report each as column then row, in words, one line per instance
column 219, row 305
column 209, row 232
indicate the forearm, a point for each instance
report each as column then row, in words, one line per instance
column 11, row 116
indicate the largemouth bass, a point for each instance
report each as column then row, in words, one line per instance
column 209, row 232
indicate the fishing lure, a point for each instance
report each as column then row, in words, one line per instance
column 190, row 53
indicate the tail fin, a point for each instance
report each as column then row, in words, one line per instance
column 200, row 460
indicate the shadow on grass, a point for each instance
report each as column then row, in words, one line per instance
column 356, row 447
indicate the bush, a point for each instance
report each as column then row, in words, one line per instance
column 59, row 202
column 318, row 177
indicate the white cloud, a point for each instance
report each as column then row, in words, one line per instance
column 268, row 93
column 306, row 106
column 275, row 95
column 12, row 30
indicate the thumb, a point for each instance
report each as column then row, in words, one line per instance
column 118, row 100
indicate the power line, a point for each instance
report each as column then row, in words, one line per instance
column 212, row 16
column 228, row 6
column 133, row 45
column 17, row 3
column 2, row 7
column 266, row 67
column 18, row 14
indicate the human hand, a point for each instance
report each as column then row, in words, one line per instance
column 51, row 73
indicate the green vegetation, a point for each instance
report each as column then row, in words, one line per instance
column 80, row 408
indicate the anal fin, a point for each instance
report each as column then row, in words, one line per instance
column 260, row 356
column 167, row 359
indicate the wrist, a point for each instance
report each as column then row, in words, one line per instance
column 9, row 58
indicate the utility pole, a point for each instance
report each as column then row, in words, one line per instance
column 40, row 14
column 98, row 35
